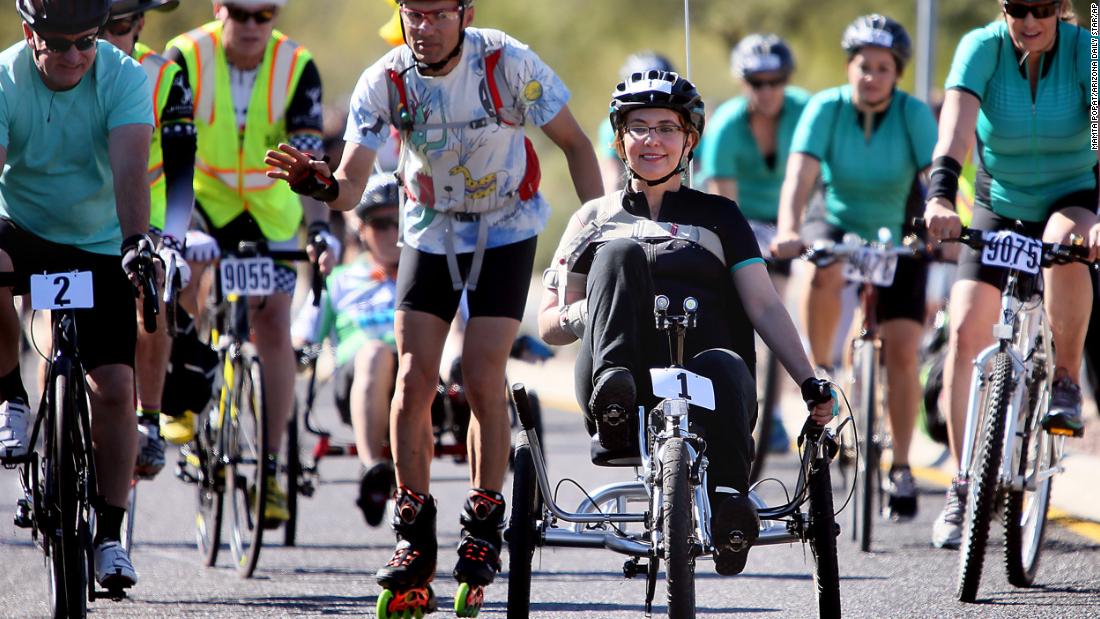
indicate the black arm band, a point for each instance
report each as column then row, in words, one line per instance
column 943, row 182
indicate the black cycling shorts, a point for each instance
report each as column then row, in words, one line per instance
column 904, row 298
column 424, row 282
column 970, row 261
column 106, row 333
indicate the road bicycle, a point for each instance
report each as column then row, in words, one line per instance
column 228, row 457
column 870, row 265
column 58, row 476
column 1008, row 460
column 670, row 481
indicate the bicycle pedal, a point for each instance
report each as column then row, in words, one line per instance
column 115, row 595
column 1066, row 432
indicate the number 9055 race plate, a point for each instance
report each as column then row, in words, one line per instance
column 248, row 276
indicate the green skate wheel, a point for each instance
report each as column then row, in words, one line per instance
column 468, row 600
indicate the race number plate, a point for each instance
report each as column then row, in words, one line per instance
column 870, row 265
column 1009, row 250
column 61, row 291
column 248, row 276
column 680, row 383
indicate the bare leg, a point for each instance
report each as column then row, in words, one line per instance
column 484, row 357
column 821, row 311
column 1069, row 322
column 973, row 308
column 420, row 337
column 114, row 430
column 375, row 370
column 271, row 331
column 901, row 341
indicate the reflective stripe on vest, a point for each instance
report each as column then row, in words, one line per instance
column 231, row 176
column 160, row 71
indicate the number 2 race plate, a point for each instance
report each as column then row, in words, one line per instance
column 248, row 277
column 61, row 291
column 1009, row 250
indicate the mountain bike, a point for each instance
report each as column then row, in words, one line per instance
column 58, row 476
column 871, row 266
column 670, row 481
column 1008, row 460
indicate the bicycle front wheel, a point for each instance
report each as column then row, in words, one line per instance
column 67, row 530
column 869, row 448
column 1025, row 511
column 677, row 529
column 291, row 478
column 823, row 533
column 205, row 456
column 982, row 491
column 248, row 475
column 522, row 531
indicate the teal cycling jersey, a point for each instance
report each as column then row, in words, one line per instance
column 729, row 151
column 357, row 306
column 57, row 181
column 605, row 140
column 1034, row 150
column 867, row 181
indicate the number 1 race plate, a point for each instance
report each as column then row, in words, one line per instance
column 1009, row 250
column 680, row 383
column 248, row 277
column 61, row 291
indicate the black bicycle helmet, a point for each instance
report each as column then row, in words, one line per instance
column 644, row 61
column 761, row 53
column 125, row 8
column 662, row 89
column 657, row 89
column 64, row 16
column 878, row 31
column 382, row 190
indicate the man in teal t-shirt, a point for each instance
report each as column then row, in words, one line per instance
column 76, row 120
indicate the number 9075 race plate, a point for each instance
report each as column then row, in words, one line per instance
column 1009, row 250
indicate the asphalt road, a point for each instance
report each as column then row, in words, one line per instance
column 331, row 570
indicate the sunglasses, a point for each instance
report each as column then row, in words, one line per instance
column 1018, row 10
column 122, row 27
column 61, row 45
column 417, row 18
column 757, row 84
column 382, row 224
column 242, row 16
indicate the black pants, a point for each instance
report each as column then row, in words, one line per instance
column 621, row 333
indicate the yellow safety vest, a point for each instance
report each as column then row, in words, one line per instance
column 964, row 200
column 230, row 173
column 161, row 72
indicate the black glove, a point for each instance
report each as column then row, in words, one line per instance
column 135, row 249
column 816, row 391
column 316, row 185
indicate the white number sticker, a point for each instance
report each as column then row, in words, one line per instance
column 871, row 265
column 248, row 276
column 61, row 291
column 680, row 383
column 1009, row 250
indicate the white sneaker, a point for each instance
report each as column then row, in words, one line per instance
column 150, row 458
column 113, row 569
column 947, row 530
column 14, row 418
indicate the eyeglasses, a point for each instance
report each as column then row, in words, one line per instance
column 242, row 16
column 60, row 45
column 122, row 27
column 1019, row 10
column 757, row 84
column 419, row 18
column 663, row 131
column 382, row 224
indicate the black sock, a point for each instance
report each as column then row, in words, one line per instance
column 11, row 386
column 108, row 523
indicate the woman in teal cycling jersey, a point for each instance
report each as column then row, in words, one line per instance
column 869, row 140
column 745, row 156
column 1023, row 84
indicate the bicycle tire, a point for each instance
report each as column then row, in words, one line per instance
column 1025, row 512
column 983, row 481
column 522, row 534
column 247, row 475
column 869, row 452
column 208, row 447
column 823, row 533
column 68, row 551
column 292, row 474
column 677, row 530
column 761, row 433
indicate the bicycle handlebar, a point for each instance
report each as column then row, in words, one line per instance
column 147, row 281
column 261, row 248
column 1052, row 254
